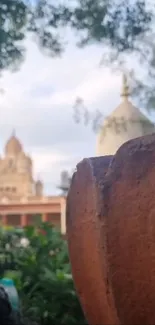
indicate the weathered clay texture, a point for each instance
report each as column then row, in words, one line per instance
column 87, row 241
column 111, row 235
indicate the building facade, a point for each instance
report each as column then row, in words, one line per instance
column 22, row 199
column 125, row 123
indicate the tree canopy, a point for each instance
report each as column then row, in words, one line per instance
column 110, row 22
column 20, row 17
column 123, row 28
column 116, row 23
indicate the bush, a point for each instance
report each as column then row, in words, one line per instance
column 42, row 274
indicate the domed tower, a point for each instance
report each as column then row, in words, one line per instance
column 125, row 123
column 24, row 163
column 39, row 188
column 13, row 147
column 29, row 164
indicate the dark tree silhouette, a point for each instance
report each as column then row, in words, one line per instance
column 113, row 23
column 65, row 179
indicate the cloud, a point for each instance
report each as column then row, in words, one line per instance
column 38, row 102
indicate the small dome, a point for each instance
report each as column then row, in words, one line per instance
column 125, row 123
column 126, row 110
column 13, row 146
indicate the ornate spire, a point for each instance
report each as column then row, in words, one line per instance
column 13, row 132
column 125, row 87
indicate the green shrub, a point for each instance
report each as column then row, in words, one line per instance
column 42, row 274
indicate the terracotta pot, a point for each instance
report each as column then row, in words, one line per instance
column 111, row 235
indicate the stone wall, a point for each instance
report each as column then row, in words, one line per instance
column 111, row 234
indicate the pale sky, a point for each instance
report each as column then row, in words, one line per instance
column 38, row 102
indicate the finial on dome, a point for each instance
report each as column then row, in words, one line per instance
column 125, row 87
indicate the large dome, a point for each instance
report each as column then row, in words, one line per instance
column 22, row 156
column 125, row 123
column 13, row 146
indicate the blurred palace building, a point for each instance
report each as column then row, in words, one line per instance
column 22, row 200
